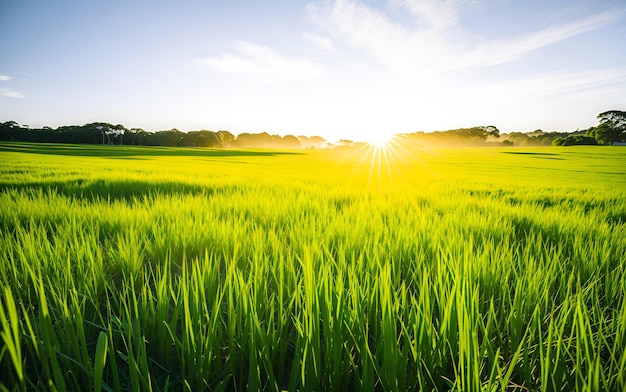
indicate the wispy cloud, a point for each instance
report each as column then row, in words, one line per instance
column 7, row 92
column 569, row 85
column 497, row 52
column 436, row 41
column 370, row 30
column 323, row 44
column 4, row 78
column 435, row 14
column 263, row 64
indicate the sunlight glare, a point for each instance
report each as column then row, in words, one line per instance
column 379, row 140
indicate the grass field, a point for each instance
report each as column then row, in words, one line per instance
column 136, row 268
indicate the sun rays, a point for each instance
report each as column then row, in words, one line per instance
column 383, row 158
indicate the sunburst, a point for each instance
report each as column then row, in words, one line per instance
column 385, row 158
column 380, row 140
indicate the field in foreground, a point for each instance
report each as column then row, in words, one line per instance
column 137, row 268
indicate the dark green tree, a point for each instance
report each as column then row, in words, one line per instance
column 109, row 133
column 171, row 138
column 200, row 139
column 136, row 136
column 491, row 130
column 612, row 127
column 10, row 130
column 574, row 140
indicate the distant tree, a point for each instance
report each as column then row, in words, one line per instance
column 119, row 130
column 612, row 127
column 225, row 138
column 304, row 141
column 109, row 133
column 171, row 138
column 136, row 136
column 463, row 136
column 277, row 141
column 311, row 142
column 317, row 141
column 210, row 139
column 10, row 124
column 476, row 134
column 190, row 139
column 78, row 134
column 520, row 139
column 491, row 130
column 591, row 131
column 605, row 134
column 559, row 141
column 345, row 143
column 574, row 140
column 263, row 139
column 254, row 140
column 583, row 140
column 540, row 138
column 202, row 138
column 10, row 131
column 243, row 140
column 288, row 141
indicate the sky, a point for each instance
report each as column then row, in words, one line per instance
column 340, row 69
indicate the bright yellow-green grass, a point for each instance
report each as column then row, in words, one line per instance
column 392, row 269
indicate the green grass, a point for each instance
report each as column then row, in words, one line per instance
column 133, row 268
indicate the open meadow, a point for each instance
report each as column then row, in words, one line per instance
column 392, row 269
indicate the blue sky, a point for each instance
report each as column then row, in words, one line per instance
column 338, row 69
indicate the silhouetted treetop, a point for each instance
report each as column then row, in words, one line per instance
column 612, row 127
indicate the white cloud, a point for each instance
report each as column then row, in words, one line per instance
column 436, row 42
column 7, row 92
column 325, row 45
column 263, row 64
column 4, row 78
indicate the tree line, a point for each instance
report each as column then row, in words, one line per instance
column 610, row 130
column 107, row 133
column 474, row 136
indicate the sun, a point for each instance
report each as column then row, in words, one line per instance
column 382, row 152
column 379, row 140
